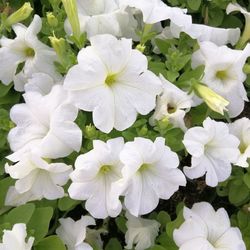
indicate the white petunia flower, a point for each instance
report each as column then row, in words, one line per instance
column 104, row 17
column 223, row 73
column 140, row 232
column 154, row 11
column 14, row 198
column 16, row 238
column 241, row 129
column 26, row 47
column 73, row 233
column 150, row 173
column 93, row 176
column 236, row 7
column 205, row 228
column 44, row 125
column 38, row 177
column 172, row 104
column 213, row 149
column 246, row 33
column 112, row 80
column 219, row 36
column 41, row 83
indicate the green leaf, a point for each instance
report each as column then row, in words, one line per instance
column 66, row 203
column 4, row 187
column 246, row 179
column 163, row 217
column 242, row 219
column 238, row 193
column 216, row 17
column 40, row 221
column 194, row 4
column 174, row 139
column 121, row 224
column 171, row 226
column 113, row 244
column 197, row 74
column 167, row 242
column 4, row 89
column 157, row 247
column 198, row 114
column 52, row 242
column 21, row 214
column 11, row 98
column 4, row 120
column 163, row 45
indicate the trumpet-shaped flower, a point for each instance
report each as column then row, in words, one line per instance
column 20, row 15
column 44, row 125
column 112, row 80
column 219, row 36
column 246, row 34
column 16, row 238
column 150, row 172
column 140, row 232
column 40, row 178
column 73, row 233
column 213, row 149
column 205, row 228
column 26, row 48
column 14, row 198
column 155, row 11
column 214, row 101
column 241, row 129
column 172, row 104
column 93, row 176
column 223, row 73
column 104, row 17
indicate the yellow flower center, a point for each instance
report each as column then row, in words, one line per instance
column 221, row 74
column 242, row 148
column 110, row 79
column 105, row 169
column 29, row 52
column 171, row 109
column 144, row 167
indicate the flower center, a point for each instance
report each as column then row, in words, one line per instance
column 242, row 148
column 171, row 109
column 221, row 74
column 29, row 52
column 105, row 169
column 110, row 79
column 144, row 167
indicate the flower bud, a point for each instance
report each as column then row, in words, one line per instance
column 52, row 20
column 19, row 15
column 58, row 45
column 214, row 101
column 90, row 131
column 71, row 11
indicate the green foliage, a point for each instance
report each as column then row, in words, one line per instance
column 39, row 222
column 113, row 244
column 242, row 221
column 237, row 187
column 66, row 204
column 4, row 187
column 50, row 243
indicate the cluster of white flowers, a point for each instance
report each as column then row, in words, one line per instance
column 111, row 79
column 141, row 170
column 205, row 228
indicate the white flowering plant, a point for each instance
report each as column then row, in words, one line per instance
column 124, row 124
